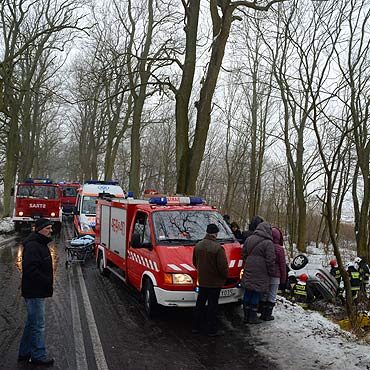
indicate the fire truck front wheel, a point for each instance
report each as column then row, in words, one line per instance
column 150, row 301
column 57, row 228
column 103, row 271
column 17, row 227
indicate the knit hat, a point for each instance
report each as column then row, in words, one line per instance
column 212, row 229
column 41, row 223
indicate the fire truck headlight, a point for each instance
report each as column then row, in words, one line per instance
column 20, row 213
column 52, row 214
column 241, row 273
column 178, row 279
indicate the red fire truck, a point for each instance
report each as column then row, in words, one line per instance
column 36, row 198
column 149, row 245
column 68, row 192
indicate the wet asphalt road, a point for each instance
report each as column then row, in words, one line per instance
column 97, row 323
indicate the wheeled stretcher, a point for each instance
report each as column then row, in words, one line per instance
column 79, row 250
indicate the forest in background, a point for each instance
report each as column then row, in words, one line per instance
column 258, row 107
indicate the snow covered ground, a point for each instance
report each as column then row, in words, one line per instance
column 304, row 340
column 298, row 339
column 6, row 227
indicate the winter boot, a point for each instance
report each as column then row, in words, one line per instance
column 246, row 309
column 252, row 318
column 260, row 306
column 267, row 311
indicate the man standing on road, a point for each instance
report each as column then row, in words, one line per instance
column 37, row 284
column 210, row 260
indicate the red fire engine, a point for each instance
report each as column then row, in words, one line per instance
column 36, row 198
column 149, row 245
column 68, row 192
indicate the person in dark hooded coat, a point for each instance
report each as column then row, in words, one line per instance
column 280, row 276
column 259, row 256
column 255, row 221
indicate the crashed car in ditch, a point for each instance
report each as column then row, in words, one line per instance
column 320, row 281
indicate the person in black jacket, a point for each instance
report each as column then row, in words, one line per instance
column 255, row 221
column 236, row 231
column 37, row 284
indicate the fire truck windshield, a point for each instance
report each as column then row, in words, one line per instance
column 88, row 205
column 69, row 191
column 188, row 226
column 37, row 191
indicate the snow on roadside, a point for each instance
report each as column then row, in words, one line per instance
column 6, row 225
column 305, row 340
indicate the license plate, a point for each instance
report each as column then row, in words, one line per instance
column 226, row 292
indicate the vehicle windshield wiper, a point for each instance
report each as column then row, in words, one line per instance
column 225, row 240
column 178, row 240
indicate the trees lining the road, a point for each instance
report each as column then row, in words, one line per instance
column 227, row 99
column 30, row 31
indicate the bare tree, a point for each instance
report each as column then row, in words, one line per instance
column 355, row 68
column 189, row 158
column 28, row 28
column 300, row 80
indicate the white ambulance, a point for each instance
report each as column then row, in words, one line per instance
column 85, row 208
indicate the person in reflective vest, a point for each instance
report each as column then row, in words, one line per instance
column 334, row 270
column 363, row 269
column 301, row 292
column 354, row 279
column 292, row 281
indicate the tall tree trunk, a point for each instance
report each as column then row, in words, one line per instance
column 183, row 95
column 204, row 105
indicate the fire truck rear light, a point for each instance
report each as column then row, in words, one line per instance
column 52, row 214
column 20, row 213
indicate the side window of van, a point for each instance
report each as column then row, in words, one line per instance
column 142, row 227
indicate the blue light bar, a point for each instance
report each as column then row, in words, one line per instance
column 158, row 200
column 38, row 181
column 130, row 194
column 194, row 200
column 102, row 182
column 176, row 200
